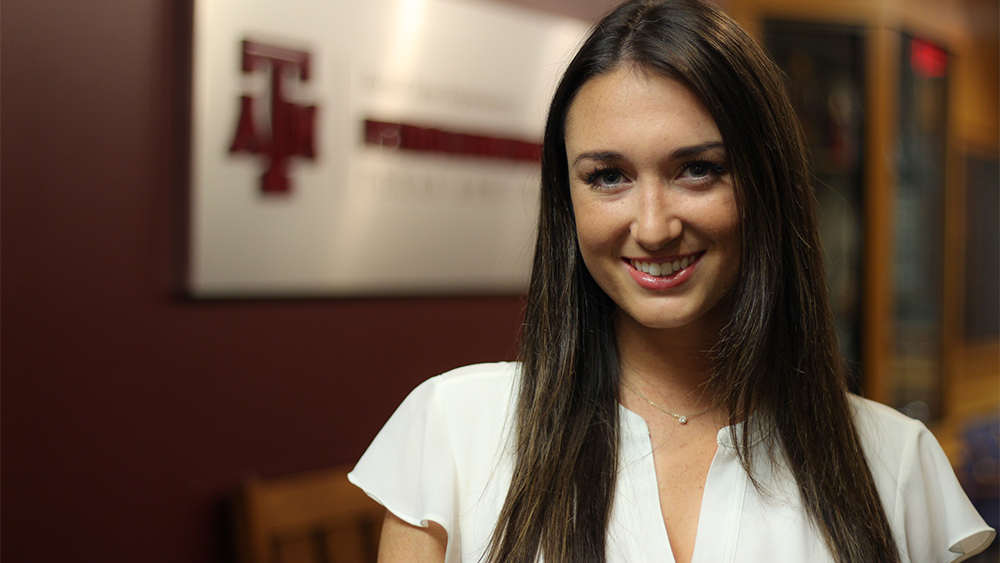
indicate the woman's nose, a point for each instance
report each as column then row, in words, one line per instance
column 656, row 223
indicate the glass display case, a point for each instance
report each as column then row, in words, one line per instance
column 824, row 66
column 918, row 219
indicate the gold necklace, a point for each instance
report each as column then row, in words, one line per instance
column 681, row 418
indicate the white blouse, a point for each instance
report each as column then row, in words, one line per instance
column 445, row 456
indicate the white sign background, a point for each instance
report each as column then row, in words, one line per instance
column 360, row 219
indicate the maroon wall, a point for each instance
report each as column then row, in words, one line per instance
column 129, row 413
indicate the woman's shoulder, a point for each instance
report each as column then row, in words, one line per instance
column 888, row 436
column 472, row 401
column 473, row 377
column 923, row 499
column 435, row 458
column 872, row 415
column 470, row 387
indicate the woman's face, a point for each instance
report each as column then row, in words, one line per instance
column 656, row 215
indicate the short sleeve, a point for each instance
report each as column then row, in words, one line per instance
column 939, row 521
column 410, row 468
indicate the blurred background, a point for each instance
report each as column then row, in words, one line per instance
column 132, row 412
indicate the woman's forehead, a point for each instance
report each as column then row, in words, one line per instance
column 630, row 107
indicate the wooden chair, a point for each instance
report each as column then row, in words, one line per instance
column 315, row 517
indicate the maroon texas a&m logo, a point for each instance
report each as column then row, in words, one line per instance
column 291, row 131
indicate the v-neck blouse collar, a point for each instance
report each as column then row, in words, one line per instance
column 637, row 507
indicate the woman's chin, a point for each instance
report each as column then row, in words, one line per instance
column 679, row 318
column 662, row 321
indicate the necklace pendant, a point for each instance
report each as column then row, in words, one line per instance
column 682, row 419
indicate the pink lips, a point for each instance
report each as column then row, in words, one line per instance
column 661, row 283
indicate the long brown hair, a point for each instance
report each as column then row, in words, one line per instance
column 776, row 358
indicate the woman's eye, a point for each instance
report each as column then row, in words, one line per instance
column 702, row 170
column 698, row 169
column 605, row 178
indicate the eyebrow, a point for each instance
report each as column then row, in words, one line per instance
column 681, row 152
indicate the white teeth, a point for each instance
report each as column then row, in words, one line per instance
column 663, row 268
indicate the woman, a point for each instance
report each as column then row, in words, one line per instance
column 679, row 394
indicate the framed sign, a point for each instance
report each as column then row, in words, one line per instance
column 360, row 148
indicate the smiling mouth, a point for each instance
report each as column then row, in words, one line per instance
column 664, row 268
